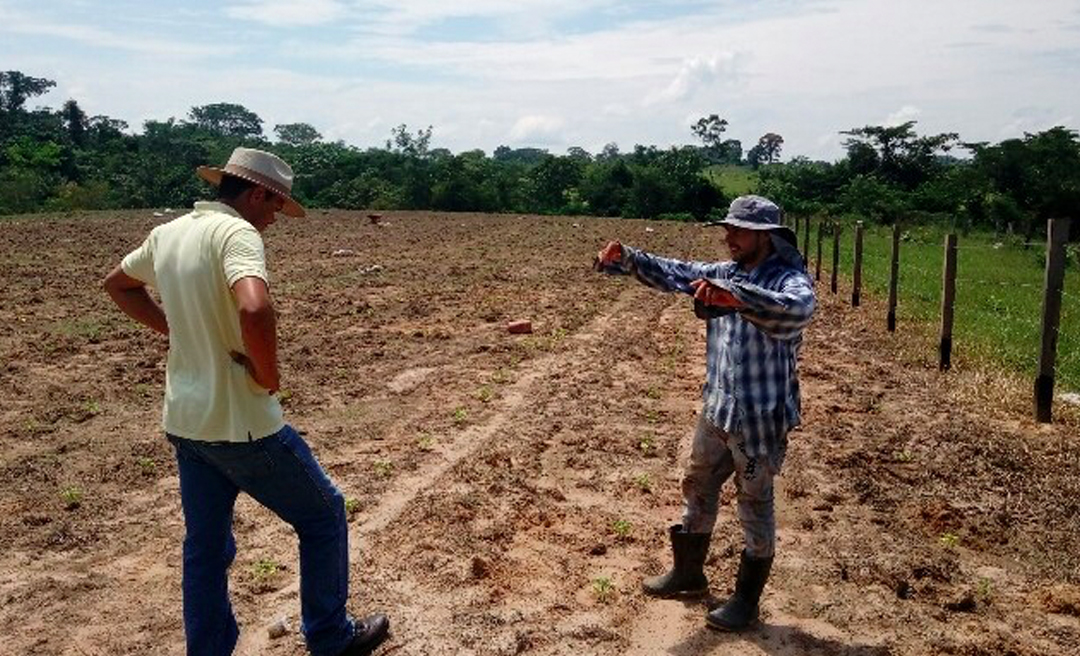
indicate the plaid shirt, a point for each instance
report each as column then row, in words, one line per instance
column 751, row 384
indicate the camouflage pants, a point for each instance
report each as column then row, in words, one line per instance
column 714, row 457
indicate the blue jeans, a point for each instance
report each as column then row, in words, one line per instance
column 281, row 473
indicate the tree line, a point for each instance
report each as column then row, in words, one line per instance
column 57, row 160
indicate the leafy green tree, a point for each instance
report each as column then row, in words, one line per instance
column 903, row 158
column 465, row 183
column 1039, row 174
column 710, row 130
column 605, row 187
column 731, row 151
column 529, row 156
column 869, row 196
column 227, row 120
column 651, row 194
column 553, row 179
column 803, row 186
column 577, row 152
column 75, row 122
column 770, row 144
column 16, row 88
column 404, row 142
column 609, row 152
column 297, row 134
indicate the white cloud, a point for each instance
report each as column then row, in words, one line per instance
column 23, row 23
column 694, row 74
column 536, row 129
column 286, row 13
column 807, row 73
column 903, row 115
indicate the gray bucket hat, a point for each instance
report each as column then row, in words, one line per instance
column 756, row 213
column 759, row 213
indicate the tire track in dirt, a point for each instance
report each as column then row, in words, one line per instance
column 407, row 489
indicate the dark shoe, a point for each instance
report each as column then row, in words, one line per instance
column 741, row 610
column 368, row 634
column 687, row 575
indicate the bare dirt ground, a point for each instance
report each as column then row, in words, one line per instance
column 508, row 492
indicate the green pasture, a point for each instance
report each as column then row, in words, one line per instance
column 733, row 180
column 999, row 293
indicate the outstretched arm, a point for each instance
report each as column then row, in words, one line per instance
column 664, row 274
column 131, row 296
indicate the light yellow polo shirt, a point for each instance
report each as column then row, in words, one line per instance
column 193, row 262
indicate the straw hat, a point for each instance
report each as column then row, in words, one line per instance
column 264, row 169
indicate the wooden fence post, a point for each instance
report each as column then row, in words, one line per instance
column 835, row 256
column 806, row 241
column 948, row 301
column 894, row 275
column 857, row 271
column 1057, row 231
column 817, row 262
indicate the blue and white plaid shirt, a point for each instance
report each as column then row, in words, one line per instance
column 752, row 383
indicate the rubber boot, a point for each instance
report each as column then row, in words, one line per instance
column 687, row 576
column 741, row 610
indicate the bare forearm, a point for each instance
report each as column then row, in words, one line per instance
column 138, row 304
column 259, row 332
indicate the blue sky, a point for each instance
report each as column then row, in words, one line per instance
column 561, row 73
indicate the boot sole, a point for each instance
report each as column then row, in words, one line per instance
column 716, row 626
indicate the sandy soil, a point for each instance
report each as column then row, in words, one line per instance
column 508, row 492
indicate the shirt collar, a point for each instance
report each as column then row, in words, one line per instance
column 206, row 206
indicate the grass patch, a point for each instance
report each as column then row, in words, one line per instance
column 733, row 180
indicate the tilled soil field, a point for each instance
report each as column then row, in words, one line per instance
column 508, row 492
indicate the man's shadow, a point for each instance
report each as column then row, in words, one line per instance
column 774, row 639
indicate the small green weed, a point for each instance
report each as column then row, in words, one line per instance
column 603, row 588
column 383, row 468
column 425, row 442
column 950, row 540
column 147, row 465
column 622, row 528
column 643, row 482
column 653, row 392
column 265, row 568
column 484, row 393
column 72, row 497
column 352, row 504
column 461, row 415
column 647, row 444
column 984, row 590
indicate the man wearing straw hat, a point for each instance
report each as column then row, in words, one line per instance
column 756, row 307
column 220, row 412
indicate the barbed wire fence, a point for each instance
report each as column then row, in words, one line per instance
column 994, row 287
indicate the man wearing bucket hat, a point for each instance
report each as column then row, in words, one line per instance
column 220, row 412
column 758, row 305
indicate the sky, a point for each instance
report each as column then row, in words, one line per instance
column 554, row 74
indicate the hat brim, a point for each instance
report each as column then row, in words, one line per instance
column 213, row 176
column 784, row 231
